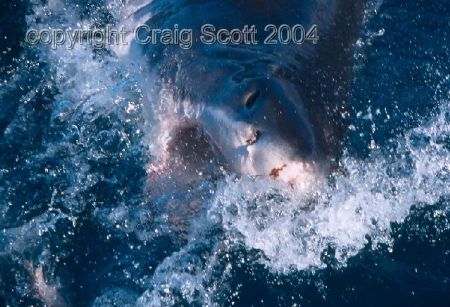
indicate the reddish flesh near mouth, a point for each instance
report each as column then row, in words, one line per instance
column 276, row 171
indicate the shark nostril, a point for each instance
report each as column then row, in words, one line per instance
column 254, row 138
column 251, row 99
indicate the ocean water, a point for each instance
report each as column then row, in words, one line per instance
column 76, row 217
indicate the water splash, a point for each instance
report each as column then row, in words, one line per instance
column 358, row 207
column 291, row 229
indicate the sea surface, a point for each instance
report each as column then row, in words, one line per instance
column 74, row 203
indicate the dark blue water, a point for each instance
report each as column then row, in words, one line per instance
column 73, row 158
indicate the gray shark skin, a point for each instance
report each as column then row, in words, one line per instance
column 261, row 107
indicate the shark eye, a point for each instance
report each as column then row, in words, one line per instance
column 251, row 99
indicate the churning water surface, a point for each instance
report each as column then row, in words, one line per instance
column 75, row 144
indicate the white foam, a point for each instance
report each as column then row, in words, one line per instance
column 291, row 227
column 293, row 230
